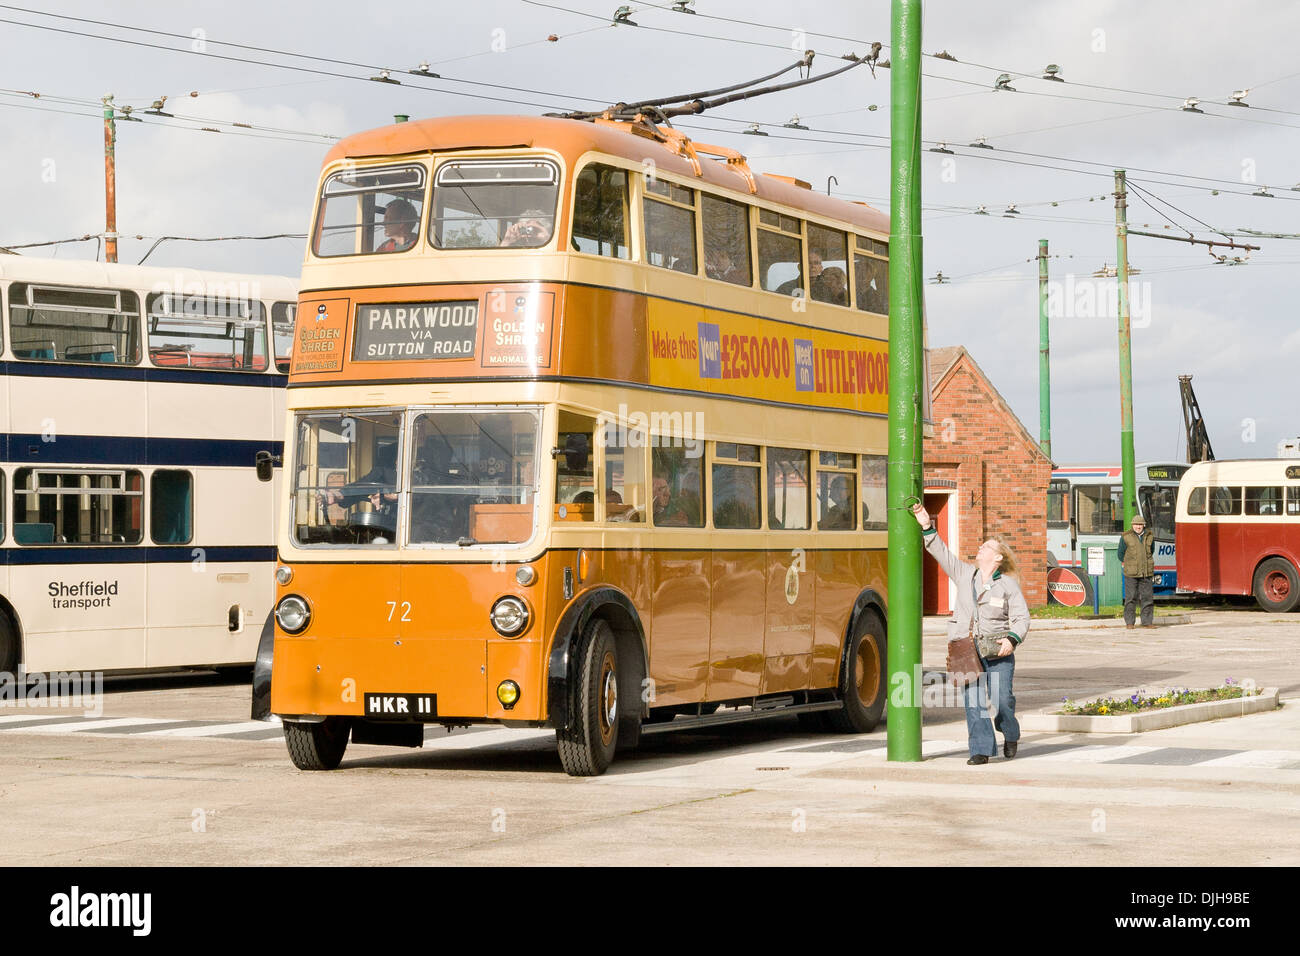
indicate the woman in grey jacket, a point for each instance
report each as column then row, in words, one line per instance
column 988, row 592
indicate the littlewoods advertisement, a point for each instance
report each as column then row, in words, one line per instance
column 706, row 350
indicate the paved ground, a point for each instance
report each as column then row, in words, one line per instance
column 173, row 772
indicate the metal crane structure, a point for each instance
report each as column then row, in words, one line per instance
column 1198, row 439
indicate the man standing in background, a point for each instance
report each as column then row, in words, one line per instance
column 1137, row 558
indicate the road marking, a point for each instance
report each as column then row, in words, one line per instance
column 1097, row 753
column 29, row 716
column 212, row 730
column 1266, row 759
column 80, row 725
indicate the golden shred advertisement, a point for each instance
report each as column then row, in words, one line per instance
column 705, row 350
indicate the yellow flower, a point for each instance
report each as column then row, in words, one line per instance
column 1103, row 709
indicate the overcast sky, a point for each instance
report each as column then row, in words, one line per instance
column 1232, row 327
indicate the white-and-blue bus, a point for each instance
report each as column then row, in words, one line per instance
column 135, row 531
column 1085, row 507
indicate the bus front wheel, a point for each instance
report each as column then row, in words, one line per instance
column 318, row 746
column 1277, row 587
column 862, row 687
column 587, row 745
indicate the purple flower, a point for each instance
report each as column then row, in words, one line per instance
column 1228, row 681
column 1133, row 699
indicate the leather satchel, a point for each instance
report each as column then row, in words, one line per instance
column 964, row 662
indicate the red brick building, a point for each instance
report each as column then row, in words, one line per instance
column 984, row 474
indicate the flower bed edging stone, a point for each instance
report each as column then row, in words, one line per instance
column 1151, row 719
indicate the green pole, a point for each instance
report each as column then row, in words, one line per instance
column 906, row 379
column 1044, row 357
column 1125, row 351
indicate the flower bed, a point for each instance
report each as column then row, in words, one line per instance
column 1142, row 701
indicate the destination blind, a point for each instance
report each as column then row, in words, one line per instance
column 415, row 330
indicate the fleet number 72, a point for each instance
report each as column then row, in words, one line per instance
column 406, row 610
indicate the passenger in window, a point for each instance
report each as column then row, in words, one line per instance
column 831, row 286
column 674, row 511
column 718, row 264
column 401, row 224
column 795, row 286
column 840, row 514
column 532, row 228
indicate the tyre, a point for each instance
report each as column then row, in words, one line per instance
column 1277, row 587
column 317, row 746
column 587, row 746
column 863, row 681
column 9, row 651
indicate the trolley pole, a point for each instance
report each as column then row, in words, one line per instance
column 110, row 181
column 1125, row 350
column 906, row 379
column 1044, row 357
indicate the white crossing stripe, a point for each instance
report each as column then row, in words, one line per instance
column 1266, row 759
column 1097, row 753
column 77, row 726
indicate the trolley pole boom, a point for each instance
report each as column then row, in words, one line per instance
column 906, row 353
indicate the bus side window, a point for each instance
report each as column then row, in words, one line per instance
column 780, row 254
column 600, row 211
column 836, row 510
column 78, row 507
column 575, row 469
column 1196, row 501
column 726, row 240
column 737, row 480
column 625, row 491
column 171, row 507
column 283, row 315
column 871, row 275
column 830, row 247
column 787, row 489
column 669, row 212
column 873, row 493
column 1293, row 500
column 1058, row 497
column 65, row 324
column 1264, row 501
column 1225, row 501
column 676, row 486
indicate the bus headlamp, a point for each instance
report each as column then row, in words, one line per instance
column 525, row 576
column 292, row 614
column 508, row 693
column 283, row 575
column 509, row 616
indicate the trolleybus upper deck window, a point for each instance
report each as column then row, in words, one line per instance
column 669, row 213
column 600, row 211
column 780, row 253
column 830, row 248
column 490, row 203
column 64, row 324
column 209, row 330
column 373, row 210
column 871, row 275
column 726, row 240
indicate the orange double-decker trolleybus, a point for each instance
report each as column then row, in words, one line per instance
column 587, row 431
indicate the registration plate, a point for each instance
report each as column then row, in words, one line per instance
column 401, row 706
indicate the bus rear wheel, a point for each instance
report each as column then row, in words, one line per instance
column 318, row 746
column 1277, row 587
column 587, row 746
column 862, row 685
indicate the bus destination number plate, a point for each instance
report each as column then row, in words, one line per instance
column 401, row 706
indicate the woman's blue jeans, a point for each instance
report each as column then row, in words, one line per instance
column 995, row 684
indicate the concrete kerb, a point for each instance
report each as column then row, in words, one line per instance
column 938, row 624
column 1152, row 719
